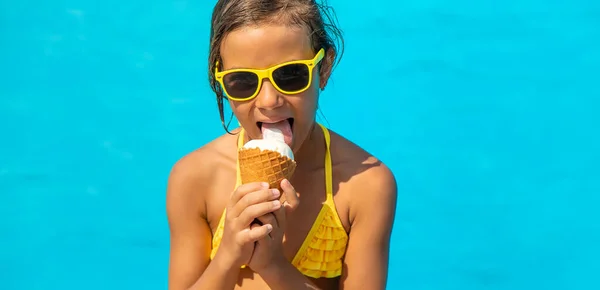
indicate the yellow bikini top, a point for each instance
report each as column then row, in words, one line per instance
column 321, row 253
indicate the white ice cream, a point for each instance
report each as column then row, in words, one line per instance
column 272, row 140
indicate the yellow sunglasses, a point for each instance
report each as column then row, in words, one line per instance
column 289, row 78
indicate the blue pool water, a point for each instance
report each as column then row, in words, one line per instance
column 484, row 110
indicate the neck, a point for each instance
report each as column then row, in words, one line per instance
column 312, row 152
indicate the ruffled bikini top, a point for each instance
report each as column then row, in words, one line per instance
column 322, row 251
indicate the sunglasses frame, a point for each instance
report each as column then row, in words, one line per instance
column 268, row 74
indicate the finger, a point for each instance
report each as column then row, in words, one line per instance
column 280, row 219
column 253, row 198
column 255, row 233
column 291, row 196
column 255, row 211
column 244, row 189
column 265, row 240
column 270, row 219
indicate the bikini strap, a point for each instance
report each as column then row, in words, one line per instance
column 328, row 170
column 237, row 162
column 240, row 142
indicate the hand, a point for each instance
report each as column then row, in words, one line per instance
column 249, row 201
column 268, row 252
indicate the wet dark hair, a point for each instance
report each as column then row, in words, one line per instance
column 318, row 18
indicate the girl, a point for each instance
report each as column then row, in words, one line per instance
column 270, row 59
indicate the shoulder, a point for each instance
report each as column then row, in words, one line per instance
column 367, row 182
column 190, row 180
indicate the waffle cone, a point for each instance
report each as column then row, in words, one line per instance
column 258, row 165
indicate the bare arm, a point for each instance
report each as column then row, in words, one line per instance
column 190, row 266
column 367, row 255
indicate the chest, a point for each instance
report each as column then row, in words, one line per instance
column 301, row 224
column 303, row 219
column 305, row 223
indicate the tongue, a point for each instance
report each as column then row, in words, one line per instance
column 283, row 126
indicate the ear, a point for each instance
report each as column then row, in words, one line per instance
column 326, row 67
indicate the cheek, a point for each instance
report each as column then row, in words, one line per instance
column 308, row 103
column 240, row 110
column 234, row 106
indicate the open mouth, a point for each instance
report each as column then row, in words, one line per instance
column 290, row 120
column 285, row 126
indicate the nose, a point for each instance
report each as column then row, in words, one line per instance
column 268, row 97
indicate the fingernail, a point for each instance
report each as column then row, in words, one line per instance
column 286, row 182
column 269, row 227
column 265, row 185
column 275, row 192
column 276, row 204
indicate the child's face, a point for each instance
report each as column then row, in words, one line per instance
column 261, row 47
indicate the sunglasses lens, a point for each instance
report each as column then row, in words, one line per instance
column 240, row 84
column 292, row 77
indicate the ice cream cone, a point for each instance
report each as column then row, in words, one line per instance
column 263, row 165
